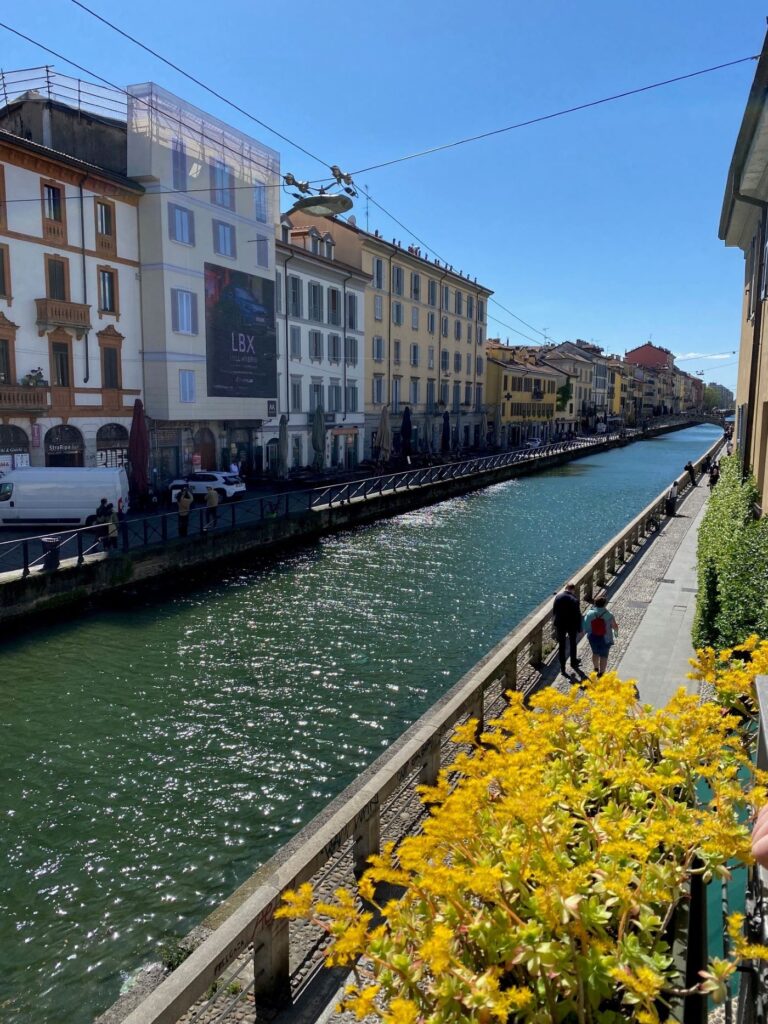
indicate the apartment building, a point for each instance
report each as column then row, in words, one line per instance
column 321, row 348
column 425, row 333
column 70, row 330
column 522, row 395
column 579, row 374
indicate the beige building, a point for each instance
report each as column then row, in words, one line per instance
column 425, row 333
column 522, row 395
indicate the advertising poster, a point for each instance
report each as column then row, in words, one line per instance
column 241, row 346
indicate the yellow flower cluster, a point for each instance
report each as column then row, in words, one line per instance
column 544, row 884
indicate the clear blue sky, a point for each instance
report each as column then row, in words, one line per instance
column 600, row 225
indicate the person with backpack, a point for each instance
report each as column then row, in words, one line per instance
column 600, row 625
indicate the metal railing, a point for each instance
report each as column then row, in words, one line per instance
column 355, row 816
column 28, row 554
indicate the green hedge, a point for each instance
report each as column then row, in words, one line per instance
column 732, row 599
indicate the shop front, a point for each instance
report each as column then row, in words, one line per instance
column 64, row 446
column 344, row 447
column 14, row 448
column 112, row 445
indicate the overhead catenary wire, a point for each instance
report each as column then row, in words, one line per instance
column 554, row 114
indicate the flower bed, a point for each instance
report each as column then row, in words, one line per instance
column 545, row 883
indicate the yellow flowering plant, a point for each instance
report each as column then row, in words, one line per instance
column 559, row 844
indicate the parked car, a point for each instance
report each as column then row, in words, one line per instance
column 533, row 442
column 225, row 484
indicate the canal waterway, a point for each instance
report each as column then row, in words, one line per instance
column 152, row 758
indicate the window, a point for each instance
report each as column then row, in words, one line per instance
column 470, row 307
column 278, row 292
column 378, row 307
column 478, row 397
column 328, row 247
column 432, row 293
column 315, row 302
column 413, row 394
column 296, row 450
column 181, row 224
column 316, row 395
column 444, row 392
column 3, row 207
column 377, row 392
column 260, row 203
column 179, row 171
column 458, row 302
column 430, row 323
column 396, row 381
column 446, row 297
column 350, row 351
column 469, row 333
column 468, row 394
column 396, row 353
column 480, row 310
column 107, row 290
column 445, row 361
column 334, row 307
column 334, row 348
column 456, row 402
column 334, row 396
column 295, row 394
column 416, row 286
column 397, row 313
column 430, row 394
column 480, row 366
column 457, row 330
column 444, row 327
column 224, row 239
column 7, row 375
column 457, row 362
column 469, row 364
column 414, row 355
column 378, row 349
column 262, row 250
column 57, row 275
column 397, row 280
column 314, row 243
column 378, row 273
column 52, row 200
column 110, row 367
column 295, row 342
column 60, row 364
column 183, row 311
column 431, row 357
column 222, row 185
column 414, row 318
column 294, row 296
column 315, row 346
column 352, row 396
column 479, row 335
column 352, row 312
column 5, row 273
column 105, row 226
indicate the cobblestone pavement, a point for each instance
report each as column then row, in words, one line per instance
column 314, row 991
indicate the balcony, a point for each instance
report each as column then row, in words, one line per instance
column 53, row 313
column 15, row 399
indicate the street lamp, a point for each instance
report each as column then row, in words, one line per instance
column 322, row 205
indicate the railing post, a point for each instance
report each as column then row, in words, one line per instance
column 367, row 837
column 25, row 555
column 430, row 763
column 477, row 711
column 509, row 668
column 537, row 642
column 80, row 556
column 124, row 535
column 271, row 970
column 589, row 587
column 610, row 562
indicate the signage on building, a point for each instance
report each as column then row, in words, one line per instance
column 272, row 407
column 35, row 435
column 241, row 344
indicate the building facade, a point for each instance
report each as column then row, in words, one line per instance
column 321, row 349
column 70, row 328
column 522, row 395
column 425, row 330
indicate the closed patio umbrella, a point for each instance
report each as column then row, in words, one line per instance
column 428, row 434
column 282, row 447
column 138, row 452
column 445, row 437
column 318, row 437
column 497, row 428
column 483, row 429
column 384, row 435
column 406, row 431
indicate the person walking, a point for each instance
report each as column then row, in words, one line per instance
column 184, row 503
column 691, row 472
column 670, row 504
column 112, row 521
column 714, row 475
column 566, row 618
column 211, row 507
column 600, row 626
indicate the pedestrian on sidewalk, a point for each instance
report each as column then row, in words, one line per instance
column 566, row 618
column 600, row 625
column 184, row 503
column 112, row 522
column 714, row 475
column 691, row 472
column 670, row 503
column 211, row 507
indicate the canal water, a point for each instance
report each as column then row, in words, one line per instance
column 153, row 758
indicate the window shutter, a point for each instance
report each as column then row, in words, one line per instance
column 174, row 309
column 193, row 302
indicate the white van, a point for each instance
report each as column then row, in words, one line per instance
column 59, row 495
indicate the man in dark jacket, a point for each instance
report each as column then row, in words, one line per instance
column 566, row 617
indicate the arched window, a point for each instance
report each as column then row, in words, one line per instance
column 64, row 446
column 112, row 445
column 13, row 440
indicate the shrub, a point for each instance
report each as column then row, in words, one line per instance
column 173, row 951
column 732, row 598
column 545, row 882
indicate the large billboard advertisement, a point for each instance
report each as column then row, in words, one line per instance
column 241, row 345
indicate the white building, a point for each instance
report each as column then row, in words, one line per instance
column 208, row 224
column 70, row 331
column 321, row 347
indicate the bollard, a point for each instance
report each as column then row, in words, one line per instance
column 51, row 560
column 25, row 553
column 80, row 556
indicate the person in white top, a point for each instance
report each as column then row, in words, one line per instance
column 234, row 469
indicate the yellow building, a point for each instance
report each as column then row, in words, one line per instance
column 425, row 334
column 522, row 394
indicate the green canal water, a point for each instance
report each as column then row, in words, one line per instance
column 151, row 759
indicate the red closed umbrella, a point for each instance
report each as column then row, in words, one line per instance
column 138, row 451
